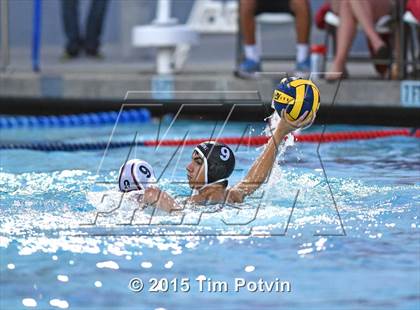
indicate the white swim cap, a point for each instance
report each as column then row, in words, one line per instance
column 135, row 175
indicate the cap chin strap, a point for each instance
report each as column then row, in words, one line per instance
column 205, row 163
column 197, row 191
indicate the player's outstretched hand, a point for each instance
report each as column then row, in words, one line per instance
column 289, row 126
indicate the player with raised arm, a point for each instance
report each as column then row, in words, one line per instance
column 212, row 163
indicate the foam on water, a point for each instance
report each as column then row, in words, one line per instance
column 39, row 224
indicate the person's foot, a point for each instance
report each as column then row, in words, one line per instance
column 97, row 55
column 248, row 68
column 93, row 53
column 338, row 71
column 72, row 49
column 335, row 75
column 69, row 55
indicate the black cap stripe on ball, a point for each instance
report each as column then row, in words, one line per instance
column 297, row 106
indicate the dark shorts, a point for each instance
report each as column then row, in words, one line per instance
column 272, row 6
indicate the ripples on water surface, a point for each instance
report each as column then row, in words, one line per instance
column 50, row 259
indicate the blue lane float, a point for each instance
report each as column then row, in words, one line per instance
column 64, row 147
column 76, row 120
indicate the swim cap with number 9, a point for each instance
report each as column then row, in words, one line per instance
column 219, row 161
column 136, row 175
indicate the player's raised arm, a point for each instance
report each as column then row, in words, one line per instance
column 297, row 101
column 264, row 163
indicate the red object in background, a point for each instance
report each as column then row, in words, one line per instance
column 414, row 7
column 320, row 15
column 319, row 49
column 311, row 137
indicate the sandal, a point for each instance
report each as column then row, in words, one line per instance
column 383, row 53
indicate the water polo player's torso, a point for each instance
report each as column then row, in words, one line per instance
column 230, row 195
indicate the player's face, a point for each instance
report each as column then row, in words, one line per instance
column 195, row 171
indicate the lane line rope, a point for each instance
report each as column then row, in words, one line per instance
column 251, row 141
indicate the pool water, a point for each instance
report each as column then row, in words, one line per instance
column 346, row 237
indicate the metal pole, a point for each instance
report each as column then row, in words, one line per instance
column 163, row 11
column 402, row 53
column 36, row 35
column 5, row 54
column 239, row 49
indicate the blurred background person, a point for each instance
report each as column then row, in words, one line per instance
column 352, row 12
column 250, row 8
column 90, row 42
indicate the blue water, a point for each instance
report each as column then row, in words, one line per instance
column 49, row 258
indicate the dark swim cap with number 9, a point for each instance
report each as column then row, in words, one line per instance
column 219, row 161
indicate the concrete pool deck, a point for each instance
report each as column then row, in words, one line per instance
column 104, row 84
column 106, row 80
